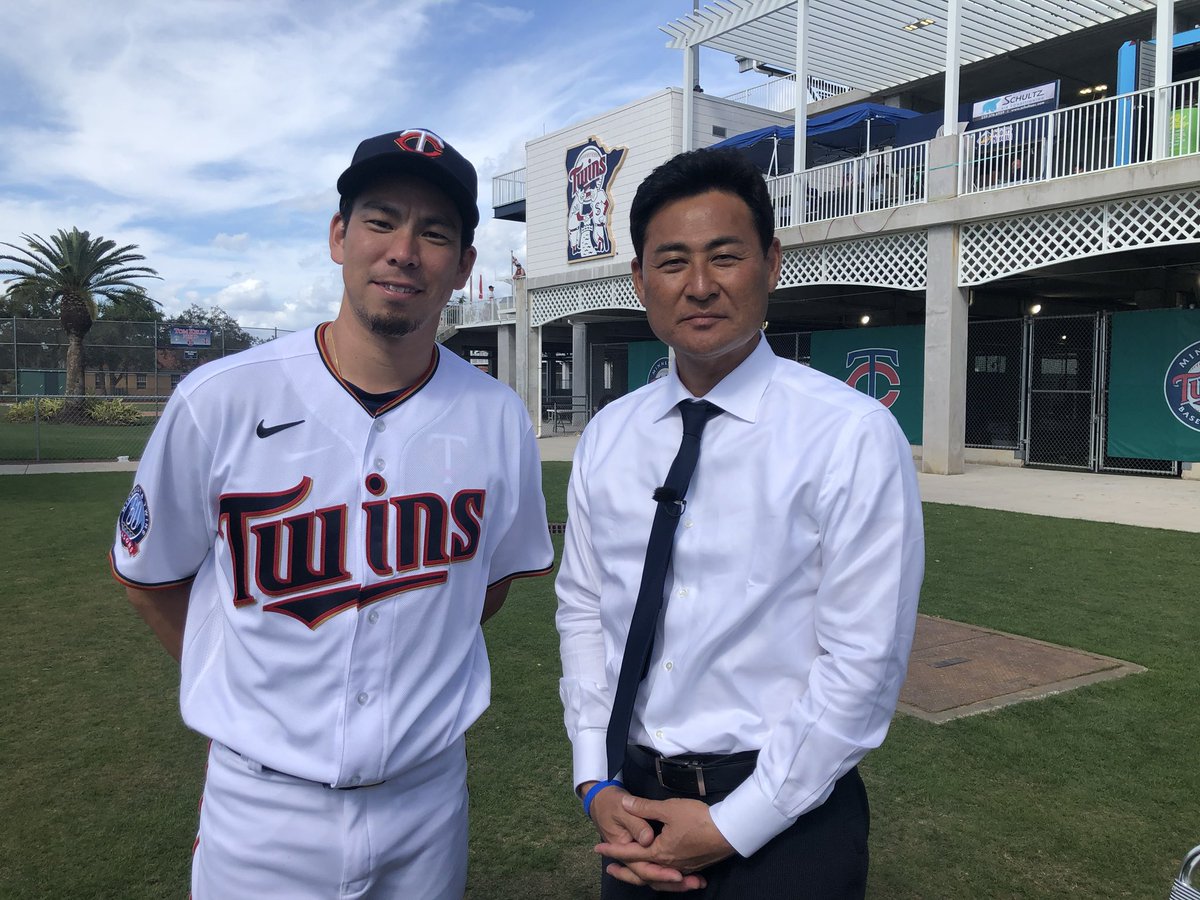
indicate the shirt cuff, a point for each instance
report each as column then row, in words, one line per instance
column 748, row 819
column 590, row 756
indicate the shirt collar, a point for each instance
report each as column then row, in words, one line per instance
column 738, row 393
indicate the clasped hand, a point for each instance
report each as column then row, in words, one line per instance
column 670, row 861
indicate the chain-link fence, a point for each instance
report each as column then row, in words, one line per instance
column 76, row 428
column 129, row 370
column 994, row 383
column 122, row 359
column 793, row 345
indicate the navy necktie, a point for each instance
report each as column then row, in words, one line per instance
column 670, row 498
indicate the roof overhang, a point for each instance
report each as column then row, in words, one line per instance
column 864, row 44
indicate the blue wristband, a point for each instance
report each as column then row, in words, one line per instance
column 595, row 789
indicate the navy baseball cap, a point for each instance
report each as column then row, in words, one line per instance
column 419, row 152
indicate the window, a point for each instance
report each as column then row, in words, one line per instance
column 141, row 381
column 99, row 380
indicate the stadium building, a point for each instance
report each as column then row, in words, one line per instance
column 992, row 223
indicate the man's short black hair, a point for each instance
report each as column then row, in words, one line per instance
column 698, row 172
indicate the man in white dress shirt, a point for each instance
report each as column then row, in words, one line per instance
column 791, row 599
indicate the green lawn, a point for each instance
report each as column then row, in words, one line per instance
column 27, row 442
column 1087, row 794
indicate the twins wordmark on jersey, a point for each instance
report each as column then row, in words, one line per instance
column 300, row 557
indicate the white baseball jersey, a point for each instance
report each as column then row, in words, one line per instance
column 339, row 558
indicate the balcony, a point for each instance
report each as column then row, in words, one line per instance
column 878, row 180
column 779, row 94
column 477, row 313
column 1139, row 127
column 508, row 196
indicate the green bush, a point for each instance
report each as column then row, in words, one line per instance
column 113, row 412
column 45, row 408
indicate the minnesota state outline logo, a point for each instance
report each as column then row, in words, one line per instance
column 1181, row 386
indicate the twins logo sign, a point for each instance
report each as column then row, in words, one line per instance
column 1182, row 386
column 874, row 371
column 591, row 168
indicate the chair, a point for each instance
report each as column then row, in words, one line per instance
column 1184, row 889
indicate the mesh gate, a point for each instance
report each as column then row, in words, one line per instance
column 995, row 383
column 1062, row 412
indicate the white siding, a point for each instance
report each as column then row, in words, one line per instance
column 651, row 130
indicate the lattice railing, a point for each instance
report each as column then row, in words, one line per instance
column 897, row 260
column 1001, row 247
column 560, row 301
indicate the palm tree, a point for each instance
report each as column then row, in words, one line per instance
column 72, row 268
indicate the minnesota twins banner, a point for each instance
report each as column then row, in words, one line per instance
column 1154, row 385
column 648, row 361
column 887, row 363
column 591, row 168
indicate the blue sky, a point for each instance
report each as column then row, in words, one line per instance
column 211, row 133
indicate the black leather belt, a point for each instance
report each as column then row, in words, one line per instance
column 699, row 774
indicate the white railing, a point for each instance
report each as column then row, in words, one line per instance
column 779, row 94
column 880, row 180
column 471, row 313
column 1105, row 134
column 508, row 188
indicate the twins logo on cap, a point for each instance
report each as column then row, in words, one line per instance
column 424, row 142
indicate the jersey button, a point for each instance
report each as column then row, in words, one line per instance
column 355, row 780
column 363, row 698
column 658, row 734
column 668, row 665
column 688, row 523
column 373, row 617
column 380, row 425
column 379, row 463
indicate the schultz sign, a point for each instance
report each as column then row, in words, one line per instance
column 1042, row 98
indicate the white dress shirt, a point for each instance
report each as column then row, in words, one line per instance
column 792, row 599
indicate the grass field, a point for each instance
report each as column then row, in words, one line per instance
column 1087, row 794
column 27, row 442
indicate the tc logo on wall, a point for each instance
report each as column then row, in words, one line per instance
column 591, row 168
column 874, row 371
column 1182, row 386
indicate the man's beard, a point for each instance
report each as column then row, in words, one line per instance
column 387, row 325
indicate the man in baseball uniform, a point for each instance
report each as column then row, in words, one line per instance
column 319, row 526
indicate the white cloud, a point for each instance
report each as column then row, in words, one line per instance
column 210, row 132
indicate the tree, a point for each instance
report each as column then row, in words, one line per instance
column 123, row 339
column 72, row 268
column 27, row 300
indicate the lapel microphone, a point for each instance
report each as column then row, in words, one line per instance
column 673, row 505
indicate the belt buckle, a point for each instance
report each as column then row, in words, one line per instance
column 696, row 769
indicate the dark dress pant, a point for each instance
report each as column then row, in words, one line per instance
column 823, row 856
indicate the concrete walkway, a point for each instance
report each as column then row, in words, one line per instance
column 1127, row 499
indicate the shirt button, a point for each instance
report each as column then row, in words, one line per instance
column 362, row 699
column 658, row 734
column 687, row 523
column 683, row 592
column 380, row 425
column 379, row 463
column 668, row 665
column 373, row 617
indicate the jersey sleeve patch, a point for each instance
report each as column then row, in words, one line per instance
column 134, row 521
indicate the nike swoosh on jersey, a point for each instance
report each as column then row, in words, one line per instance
column 264, row 431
